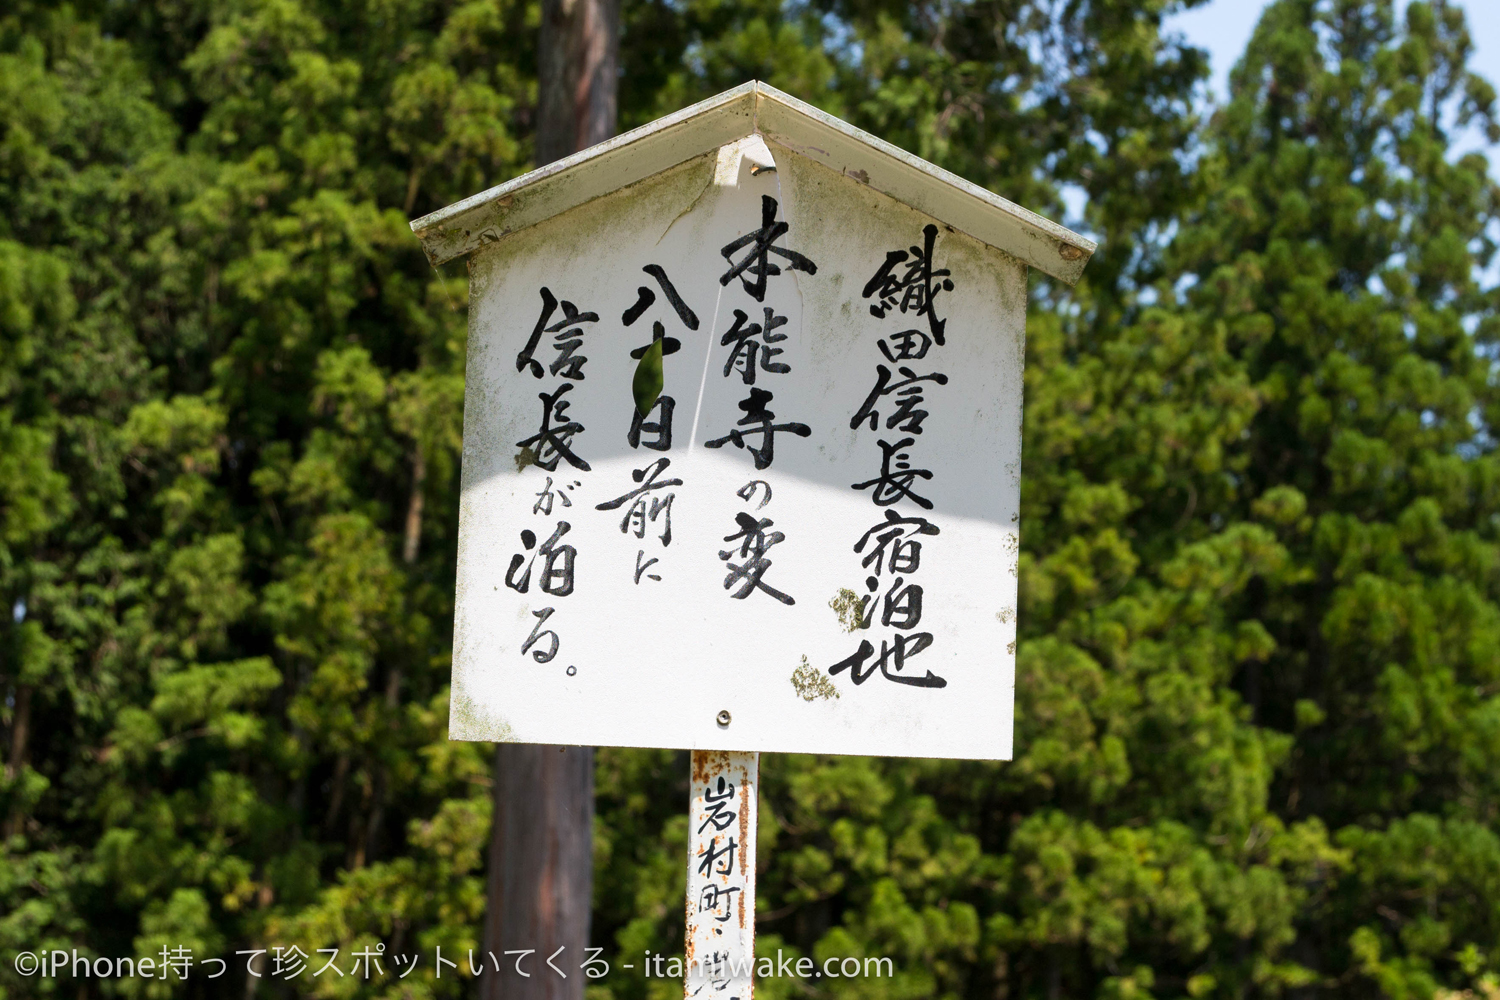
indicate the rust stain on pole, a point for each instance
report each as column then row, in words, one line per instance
column 720, row 944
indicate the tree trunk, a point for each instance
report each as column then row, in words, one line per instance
column 20, row 732
column 541, row 871
column 578, row 70
column 541, row 867
column 412, row 541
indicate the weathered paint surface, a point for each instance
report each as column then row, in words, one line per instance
column 758, row 109
column 651, row 642
column 721, row 876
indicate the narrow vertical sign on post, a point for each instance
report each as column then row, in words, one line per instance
column 720, row 953
column 809, row 540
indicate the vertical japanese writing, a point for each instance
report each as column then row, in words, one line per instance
column 551, row 564
column 658, row 422
column 649, row 505
column 753, row 336
column 721, row 867
column 755, row 358
column 907, row 284
column 755, row 539
column 916, row 289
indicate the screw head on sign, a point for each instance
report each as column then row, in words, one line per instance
column 723, row 718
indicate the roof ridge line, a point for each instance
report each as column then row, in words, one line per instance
column 753, row 108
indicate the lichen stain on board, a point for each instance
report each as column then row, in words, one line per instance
column 847, row 606
column 811, row 684
column 525, row 457
column 467, row 720
column 1006, row 616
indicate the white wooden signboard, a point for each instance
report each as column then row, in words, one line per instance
column 810, row 542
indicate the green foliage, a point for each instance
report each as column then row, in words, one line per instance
column 1258, row 691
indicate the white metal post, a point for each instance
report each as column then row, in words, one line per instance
column 720, row 956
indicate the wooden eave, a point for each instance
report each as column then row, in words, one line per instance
column 753, row 108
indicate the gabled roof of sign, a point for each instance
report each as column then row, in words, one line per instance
column 749, row 109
